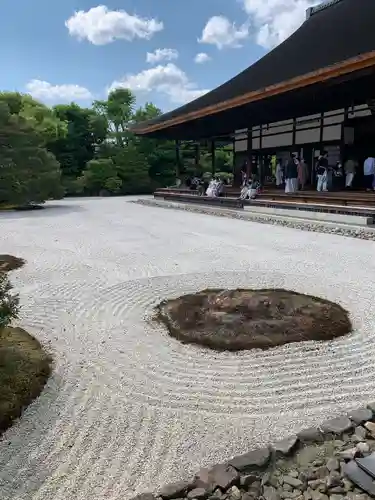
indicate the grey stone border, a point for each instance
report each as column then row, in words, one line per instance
column 249, row 476
column 363, row 233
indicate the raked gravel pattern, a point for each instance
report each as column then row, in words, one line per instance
column 128, row 408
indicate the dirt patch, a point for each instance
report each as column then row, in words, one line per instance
column 246, row 319
column 10, row 263
column 24, row 370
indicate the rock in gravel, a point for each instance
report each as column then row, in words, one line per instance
column 333, row 480
column 360, row 416
column 371, row 406
column 337, row 425
column 285, row 446
column 234, row 493
column 174, row 490
column 248, row 480
column 348, row 454
column 370, row 426
column 252, row 459
column 310, row 435
column 363, row 447
column 292, row 481
column 317, row 495
column 333, row 464
column 198, row 493
column 335, row 497
column 145, row 496
column 360, row 432
column 219, row 476
column 270, row 493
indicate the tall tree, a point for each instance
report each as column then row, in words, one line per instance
column 28, row 173
column 86, row 129
column 118, row 110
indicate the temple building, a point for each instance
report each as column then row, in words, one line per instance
column 313, row 92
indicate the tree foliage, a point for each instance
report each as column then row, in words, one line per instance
column 90, row 151
column 29, row 173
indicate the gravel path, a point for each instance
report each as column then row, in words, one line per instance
column 128, row 408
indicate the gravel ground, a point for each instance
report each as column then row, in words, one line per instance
column 128, row 408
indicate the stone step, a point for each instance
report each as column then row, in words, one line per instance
column 318, row 216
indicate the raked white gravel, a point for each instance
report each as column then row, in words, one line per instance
column 127, row 408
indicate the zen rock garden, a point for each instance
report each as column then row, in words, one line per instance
column 333, row 461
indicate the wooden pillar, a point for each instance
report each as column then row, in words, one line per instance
column 321, row 132
column 249, row 154
column 294, row 134
column 178, row 159
column 260, row 159
column 213, row 163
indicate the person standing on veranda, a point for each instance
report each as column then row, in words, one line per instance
column 350, row 168
column 369, row 173
column 322, row 172
column 291, row 175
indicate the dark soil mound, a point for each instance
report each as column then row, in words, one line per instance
column 9, row 263
column 246, row 319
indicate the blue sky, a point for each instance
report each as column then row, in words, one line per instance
column 77, row 49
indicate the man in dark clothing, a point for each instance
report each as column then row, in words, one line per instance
column 291, row 175
column 322, row 172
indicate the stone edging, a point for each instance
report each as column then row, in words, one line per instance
column 313, row 226
column 273, row 473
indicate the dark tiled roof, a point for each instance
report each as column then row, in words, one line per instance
column 341, row 31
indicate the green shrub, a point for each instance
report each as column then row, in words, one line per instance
column 9, row 302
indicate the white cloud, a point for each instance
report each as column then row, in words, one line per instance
column 275, row 20
column 221, row 32
column 101, row 26
column 161, row 55
column 169, row 80
column 201, row 58
column 46, row 91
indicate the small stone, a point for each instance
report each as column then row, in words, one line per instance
column 370, row 426
column 285, row 446
column 293, row 481
column 315, row 483
column 248, row 480
column 270, row 493
column 310, row 435
column 335, row 497
column 348, row 485
column 318, row 463
column 307, row 495
column 333, row 480
column 317, row 495
column 256, row 458
column 174, row 490
column 361, row 415
column 371, row 406
column 360, row 432
column 234, row 493
column 220, row 476
column 363, row 447
column 287, row 487
column 348, row 454
column 217, row 494
column 293, row 473
column 145, row 496
column 197, row 493
column 321, row 472
column 333, row 464
column 337, row 425
column 337, row 489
